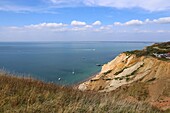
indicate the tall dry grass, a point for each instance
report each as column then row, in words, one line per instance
column 25, row 95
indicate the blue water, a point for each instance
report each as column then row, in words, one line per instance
column 49, row 61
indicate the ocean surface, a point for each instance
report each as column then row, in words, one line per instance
column 64, row 63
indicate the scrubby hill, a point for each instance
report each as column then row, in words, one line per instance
column 158, row 48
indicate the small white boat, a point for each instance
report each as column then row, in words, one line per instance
column 99, row 65
column 59, row 79
column 73, row 72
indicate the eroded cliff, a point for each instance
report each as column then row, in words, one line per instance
column 129, row 70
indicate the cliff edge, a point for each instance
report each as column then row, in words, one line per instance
column 143, row 74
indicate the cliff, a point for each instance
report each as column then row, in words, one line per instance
column 134, row 72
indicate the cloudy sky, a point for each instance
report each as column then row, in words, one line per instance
column 84, row 20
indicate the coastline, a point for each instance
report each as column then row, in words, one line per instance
column 87, row 79
column 53, row 69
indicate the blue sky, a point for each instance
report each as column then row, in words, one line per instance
column 84, row 20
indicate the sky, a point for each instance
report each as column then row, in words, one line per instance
column 84, row 20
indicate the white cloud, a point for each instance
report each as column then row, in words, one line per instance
column 82, row 28
column 63, row 1
column 106, row 28
column 129, row 23
column 151, row 5
column 26, row 9
column 75, row 26
column 88, row 26
column 117, row 24
column 78, row 29
column 16, row 8
column 96, row 23
column 165, row 20
column 56, row 1
column 67, row 3
column 155, row 30
column 148, row 26
column 46, row 25
column 133, row 22
column 78, row 23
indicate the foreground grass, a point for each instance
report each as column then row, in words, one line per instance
column 23, row 95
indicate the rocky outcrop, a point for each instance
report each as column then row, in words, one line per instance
column 128, row 69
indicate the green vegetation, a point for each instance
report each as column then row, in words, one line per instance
column 127, row 79
column 138, row 53
column 165, row 45
column 117, row 78
column 158, row 48
column 25, row 95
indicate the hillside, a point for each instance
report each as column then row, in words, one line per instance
column 140, row 73
column 25, row 95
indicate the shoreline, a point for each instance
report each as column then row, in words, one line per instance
column 7, row 73
column 87, row 79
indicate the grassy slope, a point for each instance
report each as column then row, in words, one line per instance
column 28, row 95
column 149, row 50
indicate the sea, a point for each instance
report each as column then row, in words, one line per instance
column 63, row 63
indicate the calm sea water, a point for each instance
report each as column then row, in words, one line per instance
column 72, row 62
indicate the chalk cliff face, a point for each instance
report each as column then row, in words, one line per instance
column 128, row 69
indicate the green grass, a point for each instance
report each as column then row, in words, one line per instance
column 152, row 49
column 25, row 95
